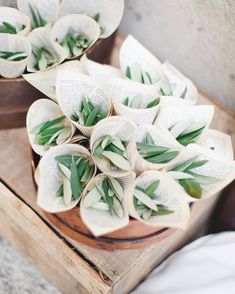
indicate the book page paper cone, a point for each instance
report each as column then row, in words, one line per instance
column 41, row 111
column 13, row 43
column 72, row 88
column 16, row 18
column 45, row 81
column 168, row 193
column 101, row 222
column 122, row 128
column 110, row 12
column 75, row 24
column 50, row 180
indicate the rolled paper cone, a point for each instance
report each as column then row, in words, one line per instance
column 110, row 12
column 72, row 88
column 99, row 71
column 16, row 18
column 45, row 81
column 169, row 193
column 101, row 222
column 170, row 115
column 76, row 23
column 180, row 82
column 162, row 138
column 121, row 89
column 48, row 10
column 13, row 43
column 40, row 38
column 40, row 111
column 216, row 167
column 50, row 180
column 122, row 128
column 217, row 141
column 132, row 52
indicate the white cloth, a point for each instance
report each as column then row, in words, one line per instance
column 206, row 266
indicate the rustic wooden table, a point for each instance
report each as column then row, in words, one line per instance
column 71, row 266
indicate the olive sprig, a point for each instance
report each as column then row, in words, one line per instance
column 75, row 43
column 147, row 203
column 187, row 131
column 89, row 114
column 107, row 196
column 13, row 56
column 112, row 149
column 193, row 185
column 153, row 153
column 52, row 132
column 136, row 73
column 137, row 102
column 76, row 172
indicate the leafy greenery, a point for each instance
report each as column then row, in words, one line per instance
column 75, row 172
column 167, row 89
column 111, row 148
column 37, row 19
column 89, row 114
column 107, row 196
column 13, row 56
column 147, row 203
column 193, row 185
column 43, row 58
column 52, row 132
column 153, row 153
column 75, row 43
column 138, row 101
column 186, row 131
column 7, row 28
column 136, row 73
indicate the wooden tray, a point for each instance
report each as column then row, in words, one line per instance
column 17, row 94
column 134, row 235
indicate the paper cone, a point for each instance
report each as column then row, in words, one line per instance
column 40, row 38
column 15, row 18
column 125, row 130
column 170, row 115
column 180, row 82
column 41, row 111
column 99, row 71
column 110, row 12
column 50, row 181
column 71, row 88
column 218, row 167
column 169, row 193
column 79, row 24
column 161, row 138
column 13, row 43
column 132, row 52
column 102, row 222
column 45, row 81
column 120, row 89
column 48, row 9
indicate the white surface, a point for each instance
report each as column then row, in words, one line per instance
column 206, row 266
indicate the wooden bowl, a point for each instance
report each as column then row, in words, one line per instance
column 17, row 94
column 134, row 235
